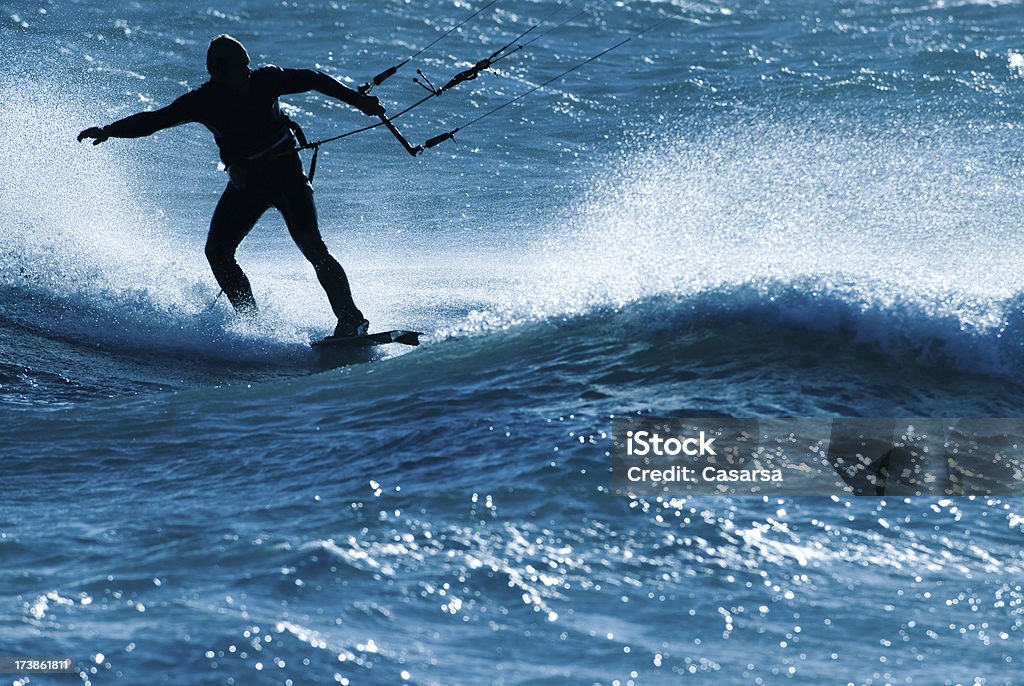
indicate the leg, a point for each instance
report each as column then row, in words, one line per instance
column 295, row 201
column 237, row 212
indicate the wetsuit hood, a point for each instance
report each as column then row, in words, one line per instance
column 225, row 52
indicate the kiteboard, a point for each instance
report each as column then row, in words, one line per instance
column 368, row 340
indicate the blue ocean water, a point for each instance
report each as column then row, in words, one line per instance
column 757, row 209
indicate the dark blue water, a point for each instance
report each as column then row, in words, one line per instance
column 757, row 209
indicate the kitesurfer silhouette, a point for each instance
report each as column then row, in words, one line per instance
column 240, row 107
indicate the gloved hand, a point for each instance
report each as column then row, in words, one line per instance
column 97, row 133
column 370, row 106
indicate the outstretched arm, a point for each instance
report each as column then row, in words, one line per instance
column 302, row 80
column 142, row 124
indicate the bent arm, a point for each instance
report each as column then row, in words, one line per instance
column 303, row 80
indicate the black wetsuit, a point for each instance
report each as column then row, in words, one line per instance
column 257, row 146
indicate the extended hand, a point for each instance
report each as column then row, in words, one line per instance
column 370, row 105
column 97, row 133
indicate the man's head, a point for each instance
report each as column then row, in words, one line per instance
column 228, row 62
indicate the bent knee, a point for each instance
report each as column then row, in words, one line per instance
column 218, row 254
column 315, row 250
